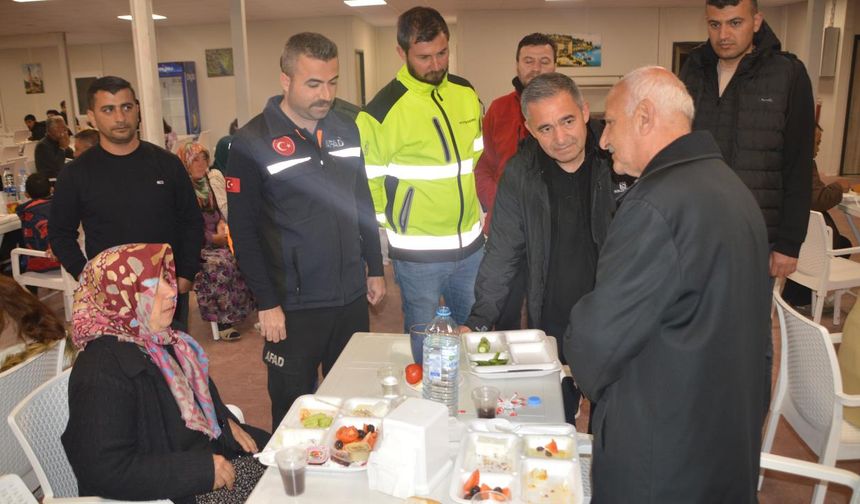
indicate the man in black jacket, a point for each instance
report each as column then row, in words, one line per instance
column 53, row 150
column 673, row 340
column 303, row 224
column 125, row 190
column 552, row 209
column 757, row 102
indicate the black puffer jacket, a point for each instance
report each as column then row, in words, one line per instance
column 521, row 230
column 763, row 124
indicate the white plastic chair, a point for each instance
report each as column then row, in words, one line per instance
column 809, row 393
column 59, row 279
column 14, row 491
column 38, row 422
column 819, row 268
column 15, row 384
column 768, row 461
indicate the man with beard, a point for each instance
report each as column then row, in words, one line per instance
column 757, row 102
column 421, row 136
column 302, row 222
column 504, row 128
column 125, row 190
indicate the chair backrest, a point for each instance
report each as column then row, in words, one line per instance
column 21, row 136
column 811, row 366
column 15, row 384
column 38, row 422
column 10, row 152
column 30, row 150
column 814, row 259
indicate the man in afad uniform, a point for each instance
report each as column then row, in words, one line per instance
column 302, row 222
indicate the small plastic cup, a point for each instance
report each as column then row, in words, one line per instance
column 389, row 380
column 486, row 401
column 292, row 463
column 490, row 496
column 416, row 340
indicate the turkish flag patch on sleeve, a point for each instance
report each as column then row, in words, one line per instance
column 234, row 184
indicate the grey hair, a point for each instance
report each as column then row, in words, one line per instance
column 313, row 45
column 663, row 89
column 548, row 85
column 54, row 120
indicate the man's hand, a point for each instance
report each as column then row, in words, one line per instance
column 782, row 265
column 375, row 289
column 243, row 438
column 225, row 475
column 845, row 184
column 273, row 324
column 464, row 329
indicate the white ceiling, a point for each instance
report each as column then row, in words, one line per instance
column 95, row 20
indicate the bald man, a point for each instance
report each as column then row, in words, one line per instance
column 673, row 340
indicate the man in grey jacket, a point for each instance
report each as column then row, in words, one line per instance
column 672, row 341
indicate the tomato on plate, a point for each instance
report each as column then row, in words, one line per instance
column 414, row 373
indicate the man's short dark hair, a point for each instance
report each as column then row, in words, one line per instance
column 234, row 126
column 548, row 85
column 722, row 4
column 29, row 117
column 89, row 136
column 38, row 186
column 110, row 84
column 537, row 39
column 312, row 45
column 52, row 112
column 420, row 24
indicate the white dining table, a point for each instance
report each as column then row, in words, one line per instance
column 8, row 222
column 354, row 375
column 850, row 206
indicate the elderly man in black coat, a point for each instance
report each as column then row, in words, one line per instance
column 673, row 339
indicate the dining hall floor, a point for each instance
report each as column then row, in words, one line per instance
column 240, row 374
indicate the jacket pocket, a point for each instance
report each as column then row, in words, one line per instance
column 294, row 257
column 445, row 149
column 406, row 208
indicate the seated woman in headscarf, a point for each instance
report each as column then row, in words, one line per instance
column 145, row 420
column 27, row 327
column 222, row 294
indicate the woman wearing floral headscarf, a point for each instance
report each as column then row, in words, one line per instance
column 145, row 420
column 222, row 294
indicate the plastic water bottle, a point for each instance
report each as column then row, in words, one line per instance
column 22, row 187
column 442, row 360
column 9, row 185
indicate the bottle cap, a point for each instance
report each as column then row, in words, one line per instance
column 443, row 311
column 534, row 400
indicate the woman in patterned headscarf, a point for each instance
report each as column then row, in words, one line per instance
column 145, row 420
column 222, row 294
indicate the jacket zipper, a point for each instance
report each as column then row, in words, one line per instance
column 442, row 139
column 433, row 95
column 406, row 208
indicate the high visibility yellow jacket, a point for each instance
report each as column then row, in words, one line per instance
column 420, row 145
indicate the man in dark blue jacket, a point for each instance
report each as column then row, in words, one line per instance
column 303, row 224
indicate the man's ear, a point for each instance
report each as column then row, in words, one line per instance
column 91, row 116
column 586, row 114
column 643, row 116
column 401, row 53
column 757, row 19
column 285, row 82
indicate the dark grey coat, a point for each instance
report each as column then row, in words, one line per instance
column 521, row 231
column 673, row 341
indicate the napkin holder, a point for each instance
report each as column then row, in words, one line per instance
column 414, row 454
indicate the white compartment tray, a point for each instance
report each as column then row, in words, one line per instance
column 531, row 354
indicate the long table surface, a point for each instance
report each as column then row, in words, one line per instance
column 354, row 375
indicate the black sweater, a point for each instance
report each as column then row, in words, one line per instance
column 144, row 197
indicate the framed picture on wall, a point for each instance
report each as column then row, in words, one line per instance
column 577, row 50
column 219, row 62
column 33, row 83
column 680, row 51
column 82, row 84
